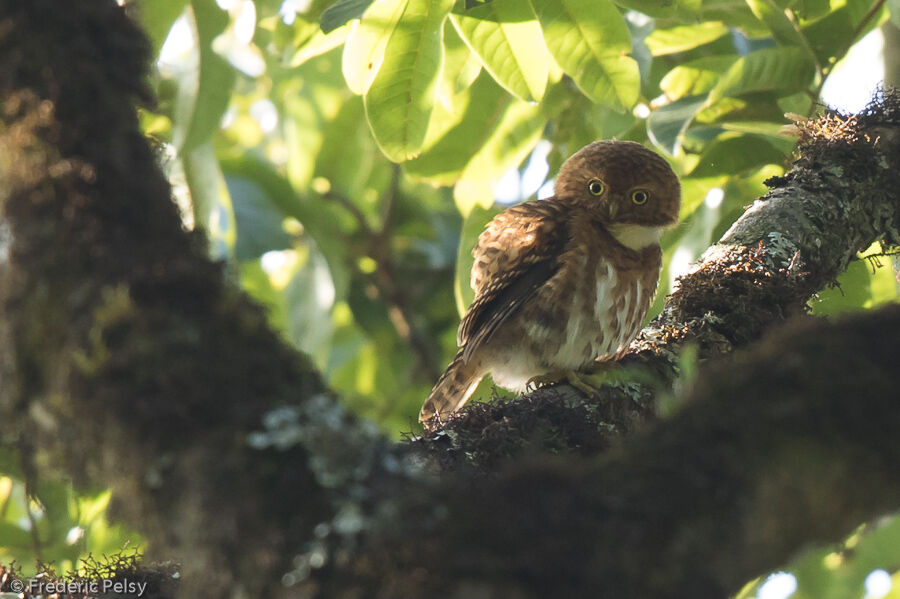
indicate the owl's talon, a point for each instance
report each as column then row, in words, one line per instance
column 587, row 383
column 544, row 380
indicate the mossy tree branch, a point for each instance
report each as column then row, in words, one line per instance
column 840, row 197
column 126, row 359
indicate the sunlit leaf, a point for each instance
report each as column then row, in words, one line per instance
column 695, row 77
column 364, row 50
column 785, row 69
column 509, row 144
column 444, row 161
column 203, row 91
column 589, row 40
column 734, row 13
column 461, row 68
column 660, row 8
column 506, row 36
column 402, row 95
column 783, row 30
column 310, row 296
column 685, row 37
column 319, row 44
column 836, row 31
column 209, row 198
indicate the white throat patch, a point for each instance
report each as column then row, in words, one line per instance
column 635, row 237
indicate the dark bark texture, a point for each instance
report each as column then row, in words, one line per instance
column 128, row 360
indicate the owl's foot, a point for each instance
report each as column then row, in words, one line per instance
column 585, row 382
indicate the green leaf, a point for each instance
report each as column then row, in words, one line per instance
column 309, row 298
column 445, row 160
column 695, row 77
column 401, row 98
column 209, row 196
column 734, row 13
column 852, row 292
column 461, row 68
column 666, row 125
column 775, row 18
column 318, row 218
column 157, row 19
column 658, row 8
column 685, row 37
column 364, row 50
column 203, row 93
column 507, row 38
column 838, row 30
column 14, row 538
column 472, row 227
column 510, row 143
column 784, row 69
column 342, row 11
column 257, row 220
column 733, row 155
column 589, row 40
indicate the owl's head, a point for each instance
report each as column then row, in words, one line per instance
column 621, row 183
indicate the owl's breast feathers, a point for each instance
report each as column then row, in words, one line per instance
column 552, row 282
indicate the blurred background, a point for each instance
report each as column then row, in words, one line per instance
column 344, row 156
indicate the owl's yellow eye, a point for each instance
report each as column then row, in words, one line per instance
column 640, row 197
column 596, row 187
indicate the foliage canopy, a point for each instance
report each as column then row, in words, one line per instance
column 345, row 155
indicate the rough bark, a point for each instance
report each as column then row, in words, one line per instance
column 127, row 359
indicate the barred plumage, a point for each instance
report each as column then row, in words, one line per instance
column 564, row 281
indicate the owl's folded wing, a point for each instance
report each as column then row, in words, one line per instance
column 516, row 254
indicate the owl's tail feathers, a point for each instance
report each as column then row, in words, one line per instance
column 452, row 390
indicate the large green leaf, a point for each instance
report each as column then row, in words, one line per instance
column 401, row 98
column 444, row 161
column 783, row 29
column 684, row 37
column 461, row 68
column 509, row 144
column 589, row 40
column 506, row 36
column 835, row 32
column 736, row 154
column 666, row 125
column 205, row 91
column 364, row 50
column 784, row 69
column 695, row 77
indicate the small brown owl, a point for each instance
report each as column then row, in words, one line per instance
column 565, row 281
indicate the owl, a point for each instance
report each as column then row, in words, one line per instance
column 566, row 281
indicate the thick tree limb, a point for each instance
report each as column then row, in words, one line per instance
column 792, row 443
column 840, row 197
column 127, row 360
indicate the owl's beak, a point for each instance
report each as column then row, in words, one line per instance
column 613, row 208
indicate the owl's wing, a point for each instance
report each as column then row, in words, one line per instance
column 517, row 253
